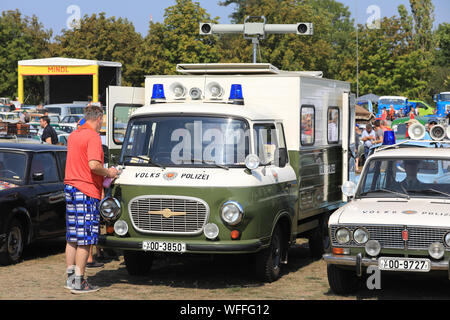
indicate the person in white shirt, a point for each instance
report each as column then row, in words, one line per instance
column 368, row 137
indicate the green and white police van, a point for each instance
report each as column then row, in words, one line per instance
column 226, row 159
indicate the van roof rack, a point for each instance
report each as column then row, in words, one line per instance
column 239, row 68
column 227, row 68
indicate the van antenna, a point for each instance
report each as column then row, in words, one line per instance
column 256, row 31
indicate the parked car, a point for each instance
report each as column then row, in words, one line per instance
column 65, row 109
column 31, row 196
column 397, row 219
column 69, row 123
column 9, row 116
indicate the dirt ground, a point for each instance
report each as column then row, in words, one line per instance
column 41, row 276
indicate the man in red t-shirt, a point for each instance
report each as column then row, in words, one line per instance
column 84, row 188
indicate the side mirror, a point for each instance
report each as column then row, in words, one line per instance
column 349, row 188
column 38, row 176
column 282, row 157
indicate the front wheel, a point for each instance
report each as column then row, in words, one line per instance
column 138, row 263
column 268, row 261
column 14, row 243
column 341, row 281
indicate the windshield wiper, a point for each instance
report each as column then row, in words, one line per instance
column 211, row 162
column 384, row 191
column 148, row 160
column 432, row 191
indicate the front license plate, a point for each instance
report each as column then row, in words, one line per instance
column 404, row 264
column 160, row 246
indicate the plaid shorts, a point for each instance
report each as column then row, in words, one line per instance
column 82, row 217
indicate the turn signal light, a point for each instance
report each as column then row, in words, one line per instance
column 235, row 234
column 110, row 229
column 341, row 251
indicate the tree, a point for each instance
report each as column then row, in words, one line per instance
column 177, row 40
column 104, row 39
column 22, row 38
column 327, row 50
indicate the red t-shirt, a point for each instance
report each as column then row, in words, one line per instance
column 83, row 146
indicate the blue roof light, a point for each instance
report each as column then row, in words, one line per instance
column 158, row 92
column 389, row 138
column 236, row 95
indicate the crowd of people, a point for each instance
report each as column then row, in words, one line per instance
column 392, row 114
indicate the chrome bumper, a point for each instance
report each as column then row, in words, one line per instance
column 359, row 261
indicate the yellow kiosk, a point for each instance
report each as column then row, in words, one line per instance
column 68, row 80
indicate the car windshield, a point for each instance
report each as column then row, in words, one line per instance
column 406, row 178
column 392, row 101
column 76, row 110
column 445, row 96
column 186, row 141
column 53, row 110
column 12, row 166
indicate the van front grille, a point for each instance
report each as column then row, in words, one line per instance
column 168, row 215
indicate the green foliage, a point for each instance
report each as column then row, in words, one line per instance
column 103, row 39
column 177, row 40
column 22, row 38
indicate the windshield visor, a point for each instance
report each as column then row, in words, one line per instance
column 186, row 141
column 408, row 177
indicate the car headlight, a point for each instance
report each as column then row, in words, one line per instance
column 121, row 228
column 361, row 236
column 436, row 250
column 373, row 248
column 343, row 235
column 447, row 237
column 211, row 231
column 232, row 213
column 110, row 208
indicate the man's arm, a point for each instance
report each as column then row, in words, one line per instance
column 97, row 168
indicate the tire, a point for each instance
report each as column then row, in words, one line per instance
column 268, row 261
column 319, row 240
column 341, row 281
column 14, row 243
column 138, row 263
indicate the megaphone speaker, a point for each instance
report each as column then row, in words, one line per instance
column 437, row 132
column 416, row 131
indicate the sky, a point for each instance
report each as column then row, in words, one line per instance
column 55, row 14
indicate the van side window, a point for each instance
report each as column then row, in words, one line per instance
column 266, row 142
column 121, row 115
column 333, row 125
column 307, row 125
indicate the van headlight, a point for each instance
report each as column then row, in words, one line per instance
column 436, row 250
column 361, row 236
column 121, row 228
column 343, row 235
column 447, row 237
column 232, row 212
column 110, row 208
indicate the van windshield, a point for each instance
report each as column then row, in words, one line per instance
column 392, row 101
column 54, row 110
column 186, row 141
column 445, row 96
column 406, row 178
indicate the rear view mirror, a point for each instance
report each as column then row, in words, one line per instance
column 282, row 157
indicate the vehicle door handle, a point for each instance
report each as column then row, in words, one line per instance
column 57, row 198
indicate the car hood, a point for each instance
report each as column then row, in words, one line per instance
column 423, row 212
